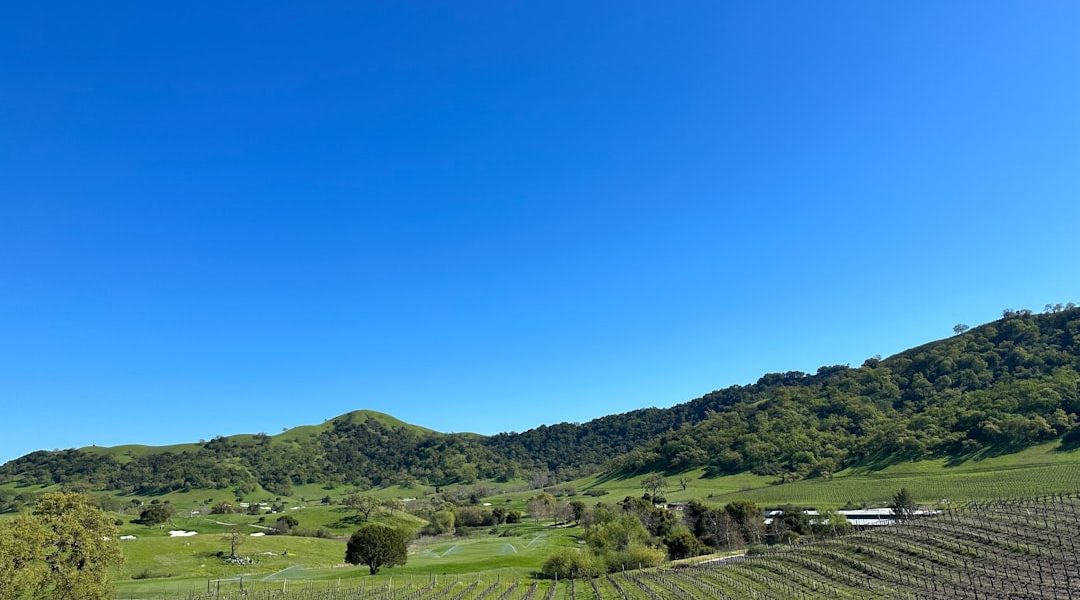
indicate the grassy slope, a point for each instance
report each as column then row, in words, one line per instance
column 1040, row 469
column 127, row 451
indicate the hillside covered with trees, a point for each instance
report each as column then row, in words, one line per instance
column 999, row 387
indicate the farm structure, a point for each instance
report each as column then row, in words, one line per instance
column 859, row 518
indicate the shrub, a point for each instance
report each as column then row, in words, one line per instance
column 634, row 557
column 286, row 524
column 222, row 508
column 472, row 516
column 571, row 563
column 617, row 535
column 681, row 543
column 315, row 533
column 441, row 522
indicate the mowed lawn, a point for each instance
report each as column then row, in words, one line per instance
column 163, row 563
column 179, row 565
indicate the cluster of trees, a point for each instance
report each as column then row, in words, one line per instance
column 615, row 542
column 638, row 533
column 446, row 516
column 736, row 525
column 63, row 550
column 1005, row 385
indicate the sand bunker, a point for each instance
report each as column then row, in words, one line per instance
column 182, row 533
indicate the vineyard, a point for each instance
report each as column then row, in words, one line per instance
column 1008, row 549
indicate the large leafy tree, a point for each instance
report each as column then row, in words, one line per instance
column 377, row 545
column 22, row 557
column 360, row 504
column 654, row 484
column 156, row 514
column 81, row 547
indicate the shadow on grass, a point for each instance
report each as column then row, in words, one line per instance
column 624, row 474
column 986, row 452
column 872, row 464
column 881, row 460
column 1068, row 445
column 348, row 521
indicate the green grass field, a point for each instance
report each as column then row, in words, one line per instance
column 1037, row 470
column 177, row 565
column 157, row 564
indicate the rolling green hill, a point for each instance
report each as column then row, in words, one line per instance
column 995, row 390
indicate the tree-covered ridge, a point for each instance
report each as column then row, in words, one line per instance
column 1002, row 386
column 365, row 453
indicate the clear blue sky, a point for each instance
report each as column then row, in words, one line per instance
column 237, row 217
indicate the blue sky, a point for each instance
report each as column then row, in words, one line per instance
column 486, row 216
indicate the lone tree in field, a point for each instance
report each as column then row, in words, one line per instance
column 903, row 505
column 362, row 505
column 393, row 504
column 541, row 506
column 376, row 545
column 286, row 523
column 654, row 484
column 156, row 514
column 234, row 536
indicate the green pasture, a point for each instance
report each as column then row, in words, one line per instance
column 158, row 564
column 1042, row 469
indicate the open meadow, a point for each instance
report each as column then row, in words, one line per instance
column 1041, row 469
column 161, row 564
